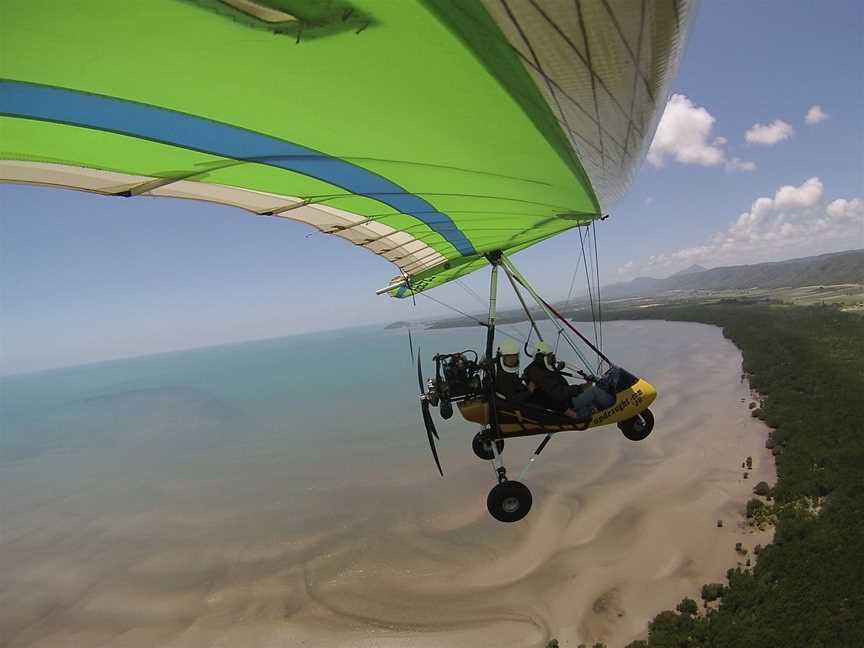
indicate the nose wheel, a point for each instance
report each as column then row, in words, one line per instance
column 638, row 427
column 482, row 446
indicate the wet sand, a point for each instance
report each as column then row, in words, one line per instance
column 230, row 551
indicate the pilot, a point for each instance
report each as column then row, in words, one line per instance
column 554, row 392
column 508, row 384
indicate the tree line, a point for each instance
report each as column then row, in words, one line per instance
column 807, row 586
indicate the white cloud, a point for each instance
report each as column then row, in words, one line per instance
column 815, row 115
column 720, row 141
column 769, row 135
column 795, row 221
column 842, row 209
column 737, row 164
column 683, row 135
column 773, row 218
column 807, row 195
column 626, row 268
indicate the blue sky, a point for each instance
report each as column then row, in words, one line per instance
column 85, row 278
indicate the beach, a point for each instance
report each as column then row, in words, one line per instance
column 355, row 540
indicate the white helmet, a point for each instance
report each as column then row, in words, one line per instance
column 509, row 356
column 543, row 347
column 548, row 354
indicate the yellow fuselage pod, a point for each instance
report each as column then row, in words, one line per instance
column 514, row 422
column 628, row 403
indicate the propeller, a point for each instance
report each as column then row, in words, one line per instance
column 428, row 423
column 411, row 345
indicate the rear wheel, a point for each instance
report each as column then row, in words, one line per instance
column 509, row 501
column 482, row 446
column 638, row 427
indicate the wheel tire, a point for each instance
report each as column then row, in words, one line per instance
column 482, row 450
column 509, row 501
column 638, row 427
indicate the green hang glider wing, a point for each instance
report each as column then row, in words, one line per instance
column 429, row 132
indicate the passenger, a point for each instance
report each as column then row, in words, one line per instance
column 554, row 392
column 508, row 384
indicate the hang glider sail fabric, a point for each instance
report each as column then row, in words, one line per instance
column 430, row 132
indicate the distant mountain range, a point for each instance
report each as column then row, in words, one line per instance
column 693, row 268
column 824, row 269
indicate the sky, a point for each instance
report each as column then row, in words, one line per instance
column 759, row 156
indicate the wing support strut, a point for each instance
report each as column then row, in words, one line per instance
column 491, row 362
column 525, row 308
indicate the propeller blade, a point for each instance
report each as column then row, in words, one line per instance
column 428, row 423
column 420, row 373
column 430, row 430
column 427, row 415
column 431, row 422
column 411, row 345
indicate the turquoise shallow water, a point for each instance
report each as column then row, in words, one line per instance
column 304, row 393
column 339, row 395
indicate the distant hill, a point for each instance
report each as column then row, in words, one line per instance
column 693, row 268
column 825, row 269
column 400, row 324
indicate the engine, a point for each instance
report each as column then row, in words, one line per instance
column 457, row 377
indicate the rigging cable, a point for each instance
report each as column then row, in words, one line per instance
column 590, row 290
column 569, row 295
column 471, row 292
column 552, row 314
column 453, row 308
column 589, row 241
column 588, row 263
column 570, row 342
column 597, row 272
column 471, row 317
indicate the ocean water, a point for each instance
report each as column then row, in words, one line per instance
column 302, row 394
column 348, row 394
column 270, row 448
